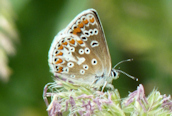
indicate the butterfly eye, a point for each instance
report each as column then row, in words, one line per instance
column 114, row 73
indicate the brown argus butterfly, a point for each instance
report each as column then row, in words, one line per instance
column 80, row 53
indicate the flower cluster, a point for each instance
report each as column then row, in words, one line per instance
column 73, row 100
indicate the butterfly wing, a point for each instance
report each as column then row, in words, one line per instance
column 80, row 51
column 92, row 33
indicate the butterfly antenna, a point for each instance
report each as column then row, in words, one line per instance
column 128, row 60
column 134, row 78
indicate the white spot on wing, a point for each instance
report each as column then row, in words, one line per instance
column 93, row 61
column 95, row 31
column 65, row 69
column 87, row 50
column 70, row 64
column 85, row 67
column 94, row 43
column 82, row 71
column 80, row 60
column 72, row 76
column 68, row 56
column 81, row 51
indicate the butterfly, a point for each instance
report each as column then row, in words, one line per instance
column 80, row 53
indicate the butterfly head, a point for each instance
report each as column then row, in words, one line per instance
column 115, row 72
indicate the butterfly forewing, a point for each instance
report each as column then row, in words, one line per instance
column 80, row 51
column 87, row 26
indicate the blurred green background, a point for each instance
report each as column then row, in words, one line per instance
column 134, row 29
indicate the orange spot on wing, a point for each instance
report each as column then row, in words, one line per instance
column 92, row 20
column 75, row 33
column 64, row 43
column 72, row 41
column 81, row 25
column 60, row 69
column 60, row 47
column 76, row 30
column 80, row 41
column 59, row 54
column 85, row 21
column 59, row 61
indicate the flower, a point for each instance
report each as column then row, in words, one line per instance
column 75, row 100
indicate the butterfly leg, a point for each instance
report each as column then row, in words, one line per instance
column 110, row 86
column 44, row 95
column 104, row 86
